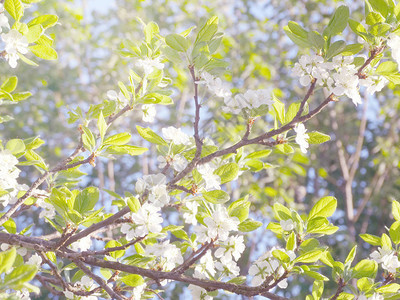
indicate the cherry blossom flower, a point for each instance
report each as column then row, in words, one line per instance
column 199, row 293
column 388, row 258
column 147, row 219
column 205, row 267
column 231, row 249
column 219, row 225
column 287, row 225
column 177, row 161
column 83, row 244
column 149, row 113
column 212, row 181
column 176, row 135
column 3, row 18
column 215, row 85
column 301, row 137
column 150, row 64
column 119, row 98
column 35, row 260
column 15, row 42
column 393, row 42
column 190, row 212
column 167, row 255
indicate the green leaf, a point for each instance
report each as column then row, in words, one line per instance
column 258, row 154
column 27, row 60
column 151, row 136
column 34, row 33
column 45, row 21
column 124, row 90
column 118, row 139
column 280, row 255
column 387, row 68
column 380, row 29
column 177, row 42
column 352, row 49
column 350, row 257
column 389, row 288
column 10, row 84
column 115, row 254
column 7, row 259
column 394, row 232
column 309, row 257
column 364, row 284
column 366, row 268
column 396, row 210
column 14, row 8
column 19, row 275
column 291, row 242
column 88, row 139
column 133, row 203
column 338, row 22
column 285, row 148
column 374, row 18
column 150, row 30
column 325, row 207
column 15, row 146
column 316, row 40
column 86, row 199
column 133, row 280
column 281, row 212
column 126, row 149
column 44, row 52
column 297, row 29
column 249, row 225
column 279, row 109
column 292, row 112
column 316, row 137
column 357, row 27
column 371, row 239
column 240, row 209
column 216, row 196
column 10, row 226
column 227, row 172
column 386, row 242
column 298, row 40
column 21, row 96
column 335, row 49
column 102, row 125
column 208, row 30
column 380, row 6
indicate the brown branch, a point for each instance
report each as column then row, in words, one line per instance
column 98, row 226
column 196, row 255
column 99, row 280
column 341, row 285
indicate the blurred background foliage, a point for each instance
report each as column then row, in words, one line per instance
column 359, row 166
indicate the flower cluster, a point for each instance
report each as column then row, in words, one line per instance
column 251, row 99
column 168, row 256
column 302, row 137
column 340, row 76
column 176, row 135
column 388, row 258
column 267, row 265
column 156, row 187
column 217, row 226
column 211, row 180
column 9, row 173
column 147, row 219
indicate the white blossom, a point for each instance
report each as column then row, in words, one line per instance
column 176, row 135
column 138, row 291
column 388, row 258
column 150, row 64
column 177, row 161
column 287, row 225
column 231, row 249
column 83, row 244
column 393, row 42
column 205, row 267
column 3, row 18
column 167, row 255
column 48, row 210
column 267, row 265
column 35, row 260
column 215, row 85
column 212, row 181
column 23, row 294
column 374, row 83
column 198, row 293
column 219, row 225
column 190, row 212
column 149, row 113
column 119, row 98
column 147, row 219
column 346, row 82
column 301, row 137
column 8, row 177
column 15, row 42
